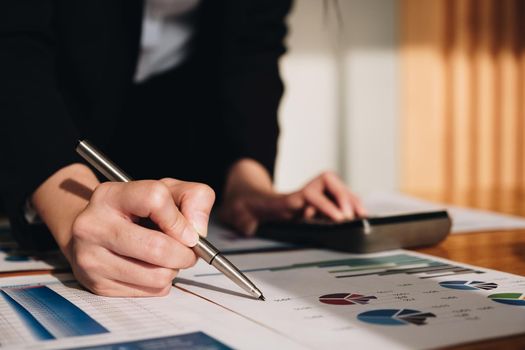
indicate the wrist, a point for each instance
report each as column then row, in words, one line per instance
column 248, row 177
column 61, row 197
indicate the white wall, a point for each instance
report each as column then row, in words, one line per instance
column 340, row 107
column 309, row 110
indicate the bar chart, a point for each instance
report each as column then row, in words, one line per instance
column 397, row 264
column 48, row 315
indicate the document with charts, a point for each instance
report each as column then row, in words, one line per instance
column 396, row 299
column 44, row 312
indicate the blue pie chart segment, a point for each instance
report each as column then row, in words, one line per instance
column 395, row 317
column 469, row 285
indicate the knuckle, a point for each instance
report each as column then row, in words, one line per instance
column 204, row 191
column 158, row 194
column 328, row 175
column 309, row 192
column 168, row 181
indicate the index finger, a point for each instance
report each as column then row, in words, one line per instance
column 348, row 202
column 337, row 189
column 153, row 199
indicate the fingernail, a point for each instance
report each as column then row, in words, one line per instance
column 190, row 237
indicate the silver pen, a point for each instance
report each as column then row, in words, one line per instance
column 203, row 248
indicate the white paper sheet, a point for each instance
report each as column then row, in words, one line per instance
column 36, row 307
column 229, row 242
column 463, row 219
column 390, row 300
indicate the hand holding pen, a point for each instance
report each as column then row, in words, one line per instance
column 120, row 257
column 114, row 256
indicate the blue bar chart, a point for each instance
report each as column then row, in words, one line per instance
column 48, row 315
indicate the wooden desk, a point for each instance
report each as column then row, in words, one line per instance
column 504, row 251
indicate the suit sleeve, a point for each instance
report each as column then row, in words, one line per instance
column 37, row 137
column 252, row 87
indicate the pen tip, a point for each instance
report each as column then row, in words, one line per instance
column 262, row 298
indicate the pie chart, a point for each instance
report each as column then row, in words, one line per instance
column 509, row 298
column 468, row 285
column 395, row 317
column 345, row 299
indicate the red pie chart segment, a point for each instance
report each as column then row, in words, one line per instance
column 345, row 299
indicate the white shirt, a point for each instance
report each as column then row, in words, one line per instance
column 166, row 31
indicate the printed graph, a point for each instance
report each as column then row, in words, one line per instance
column 397, row 264
column 395, row 317
column 469, row 285
column 517, row 299
column 48, row 315
column 345, row 299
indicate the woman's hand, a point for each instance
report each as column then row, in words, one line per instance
column 112, row 255
column 250, row 199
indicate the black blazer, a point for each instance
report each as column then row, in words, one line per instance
column 66, row 69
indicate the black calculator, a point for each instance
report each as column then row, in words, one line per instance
column 363, row 235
